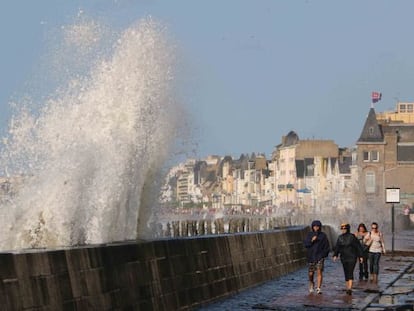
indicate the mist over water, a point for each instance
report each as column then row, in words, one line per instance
column 87, row 151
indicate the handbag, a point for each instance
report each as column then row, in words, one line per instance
column 365, row 247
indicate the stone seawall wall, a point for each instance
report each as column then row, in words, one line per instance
column 165, row 274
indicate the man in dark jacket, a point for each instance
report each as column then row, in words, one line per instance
column 317, row 246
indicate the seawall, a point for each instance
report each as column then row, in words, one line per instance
column 164, row 274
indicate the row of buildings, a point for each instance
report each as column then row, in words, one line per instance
column 307, row 174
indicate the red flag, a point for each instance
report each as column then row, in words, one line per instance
column 376, row 96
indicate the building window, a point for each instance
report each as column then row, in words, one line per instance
column 374, row 156
column 290, row 186
column 402, row 108
column 371, row 156
column 310, row 170
column 405, row 152
column 354, row 157
column 410, row 108
column 370, row 182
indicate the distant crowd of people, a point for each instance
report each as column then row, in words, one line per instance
column 363, row 247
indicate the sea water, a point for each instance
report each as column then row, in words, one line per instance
column 87, row 156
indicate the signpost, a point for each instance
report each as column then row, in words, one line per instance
column 392, row 195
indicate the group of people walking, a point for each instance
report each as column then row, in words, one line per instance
column 363, row 246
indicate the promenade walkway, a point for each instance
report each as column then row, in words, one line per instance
column 394, row 291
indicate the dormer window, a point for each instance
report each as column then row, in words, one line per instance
column 371, row 131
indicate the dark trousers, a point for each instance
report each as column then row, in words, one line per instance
column 363, row 268
column 349, row 267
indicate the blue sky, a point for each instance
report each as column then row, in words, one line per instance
column 251, row 70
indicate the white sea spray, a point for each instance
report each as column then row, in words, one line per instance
column 85, row 155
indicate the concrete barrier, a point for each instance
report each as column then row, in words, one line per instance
column 164, row 274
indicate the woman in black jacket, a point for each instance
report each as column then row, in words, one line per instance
column 349, row 249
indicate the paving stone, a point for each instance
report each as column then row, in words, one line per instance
column 290, row 292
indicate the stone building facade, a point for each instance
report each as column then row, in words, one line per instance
column 312, row 174
column 385, row 159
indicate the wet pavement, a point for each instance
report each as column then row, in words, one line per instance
column 394, row 291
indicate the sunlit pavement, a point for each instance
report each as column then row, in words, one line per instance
column 394, row 291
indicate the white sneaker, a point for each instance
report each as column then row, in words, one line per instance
column 311, row 290
column 318, row 291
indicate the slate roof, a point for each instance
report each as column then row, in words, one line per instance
column 291, row 139
column 372, row 131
